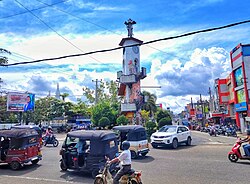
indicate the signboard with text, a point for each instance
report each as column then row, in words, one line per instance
column 20, row 102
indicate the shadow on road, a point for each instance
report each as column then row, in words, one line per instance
column 180, row 147
column 145, row 159
column 243, row 163
column 24, row 170
column 76, row 176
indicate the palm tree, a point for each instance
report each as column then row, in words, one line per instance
column 150, row 104
column 64, row 95
column 4, row 60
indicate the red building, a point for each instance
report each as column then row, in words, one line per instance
column 240, row 63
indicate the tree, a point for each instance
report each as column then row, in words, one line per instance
column 103, row 122
column 102, row 110
column 150, row 128
column 150, row 104
column 122, row 120
column 162, row 114
column 164, row 121
column 145, row 116
column 3, row 59
column 64, row 95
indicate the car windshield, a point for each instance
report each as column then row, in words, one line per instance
column 167, row 129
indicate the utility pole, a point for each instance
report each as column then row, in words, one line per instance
column 202, row 110
column 96, row 89
column 210, row 99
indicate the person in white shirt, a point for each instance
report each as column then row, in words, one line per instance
column 125, row 159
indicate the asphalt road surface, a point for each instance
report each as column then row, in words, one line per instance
column 204, row 162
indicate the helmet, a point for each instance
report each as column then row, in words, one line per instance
column 248, row 131
column 49, row 127
column 125, row 145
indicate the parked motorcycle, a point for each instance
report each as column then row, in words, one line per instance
column 231, row 132
column 51, row 140
column 235, row 154
column 213, row 131
column 105, row 177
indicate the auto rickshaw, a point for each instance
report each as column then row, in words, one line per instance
column 137, row 137
column 19, row 147
column 86, row 150
column 37, row 128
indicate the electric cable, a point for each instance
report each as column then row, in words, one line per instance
column 55, row 31
column 145, row 43
column 8, row 16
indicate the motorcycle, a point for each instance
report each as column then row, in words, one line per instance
column 235, row 154
column 212, row 132
column 51, row 140
column 105, row 177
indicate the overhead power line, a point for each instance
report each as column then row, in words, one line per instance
column 145, row 43
column 55, row 31
column 8, row 16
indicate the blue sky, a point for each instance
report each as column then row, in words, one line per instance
column 183, row 67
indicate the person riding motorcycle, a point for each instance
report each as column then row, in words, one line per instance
column 48, row 134
column 125, row 159
column 246, row 147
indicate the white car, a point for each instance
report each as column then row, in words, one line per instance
column 171, row 135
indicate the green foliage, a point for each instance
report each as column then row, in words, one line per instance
column 104, row 122
column 150, row 104
column 150, row 128
column 102, row 110
column 164, row 121
column 6, row 117
column 122, row 120
column 162, row 114
column 3, row 59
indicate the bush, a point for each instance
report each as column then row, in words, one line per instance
column 103, row 122
column 122, row 120
column 150, row 128
column 164, row 121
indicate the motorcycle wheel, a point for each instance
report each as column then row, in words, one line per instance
column 55, row 143
column 132, row 182
column 98, row 181
column 233, row 157
column 63, row 166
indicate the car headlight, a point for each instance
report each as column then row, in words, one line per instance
column 167, row 136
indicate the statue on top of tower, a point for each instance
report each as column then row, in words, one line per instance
column 129, row 25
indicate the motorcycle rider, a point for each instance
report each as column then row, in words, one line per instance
column 125, row 159
column 246, row 147
column 48, row 134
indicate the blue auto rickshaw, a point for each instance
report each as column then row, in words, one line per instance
column 90, row 157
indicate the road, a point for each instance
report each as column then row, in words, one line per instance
column 204, row 162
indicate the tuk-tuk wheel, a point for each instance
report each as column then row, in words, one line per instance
column 94, row 173
column 133, row 154
column 15, row 165
column 35, row 161
column 63, row 166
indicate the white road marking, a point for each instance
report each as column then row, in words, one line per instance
column 40, row 179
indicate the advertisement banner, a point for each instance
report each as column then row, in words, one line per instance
column 20, row 102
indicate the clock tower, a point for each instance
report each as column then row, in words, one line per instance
column 129, row 78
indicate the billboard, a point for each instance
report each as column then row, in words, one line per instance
column 20, row 102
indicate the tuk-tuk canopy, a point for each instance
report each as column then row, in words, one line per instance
column 93, row 134
column 35, row 127
column 18, row 133
column 129, row 128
